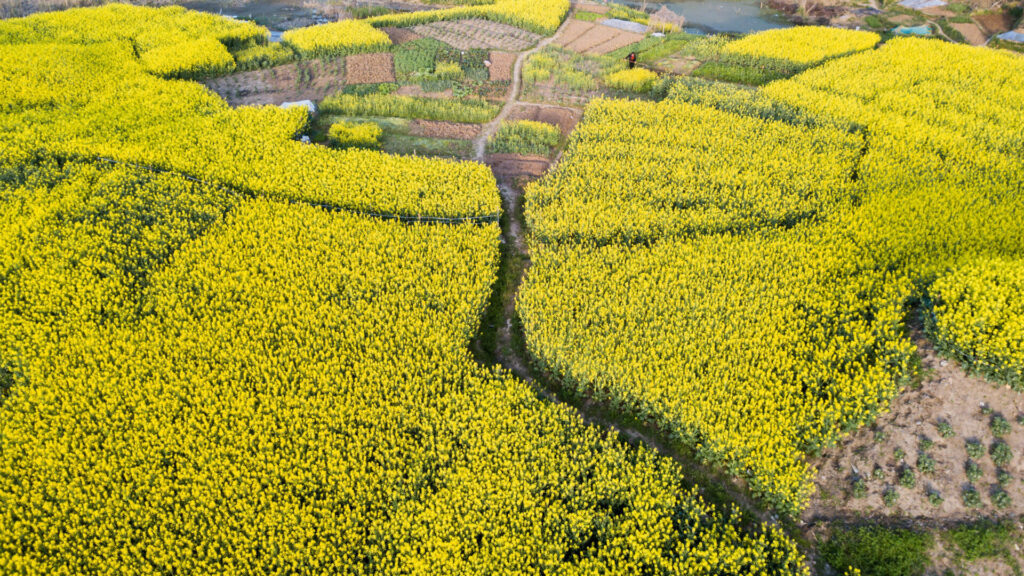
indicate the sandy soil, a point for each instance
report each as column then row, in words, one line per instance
column 502, row 64
column 308, row 80
column 565, row 118
column 971, row 32
column 445, row 130
column 947, row 394
column 370, row 68
column 468, row 34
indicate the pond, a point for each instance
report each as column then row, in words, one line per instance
column 735, row 16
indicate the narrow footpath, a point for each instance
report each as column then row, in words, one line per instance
column 502, row 341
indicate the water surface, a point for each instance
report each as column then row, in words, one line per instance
column 735, row 16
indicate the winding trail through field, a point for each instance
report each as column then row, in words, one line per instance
column 480, row 144
column 508, row 348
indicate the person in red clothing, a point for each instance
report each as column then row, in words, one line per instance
column 631, row 59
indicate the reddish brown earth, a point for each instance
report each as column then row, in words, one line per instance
column 512, row 166
column 370, row 68
column 502, row 64
column 996, row 23
column 401, row 35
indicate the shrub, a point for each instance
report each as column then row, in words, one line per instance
column 974, row 449
column 634, row 80
column 971, row 497
column 907, row 478
column 1001, row 454
column 925, row 463
column 890, row 496
column 999, row 425
column 972, row 470
column 946, row 429
column 355, row 135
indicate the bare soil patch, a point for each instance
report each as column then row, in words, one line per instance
column 591, row 38
column 502, row 64
column 513, row 166
column 401, row 35
column 370, row 68
column 474, row 33
column 307, row 80
column 995, row 23
column 571, row 31
column 589, row 7
column 971, row 32
column 948, row 394
column 445, row 130
column 565, row 118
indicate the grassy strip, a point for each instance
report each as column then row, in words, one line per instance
column 390, row 105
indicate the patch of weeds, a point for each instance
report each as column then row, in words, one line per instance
column 899, row 454
column 926, row 444
column 860, row 488
column 934, row 498
column 879, row 551
column 999, row 425
column 926, row 464
column 971, row 497
column 974, row 449
column 1001, row 453
column 1000, row 499
column 882, row 436
column 878, row 473
column 986, row 409
column 972, row 470
column 890, row 496
column 946, row 429
column 984, row 539
column 907, row 478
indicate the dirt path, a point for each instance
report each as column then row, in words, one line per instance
column 480, row 145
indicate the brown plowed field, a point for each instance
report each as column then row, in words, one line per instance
column 445, row 130
column 502, row 64
column 467, row 34
column 591, row 38
column 515, row 166
column 370, row 68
